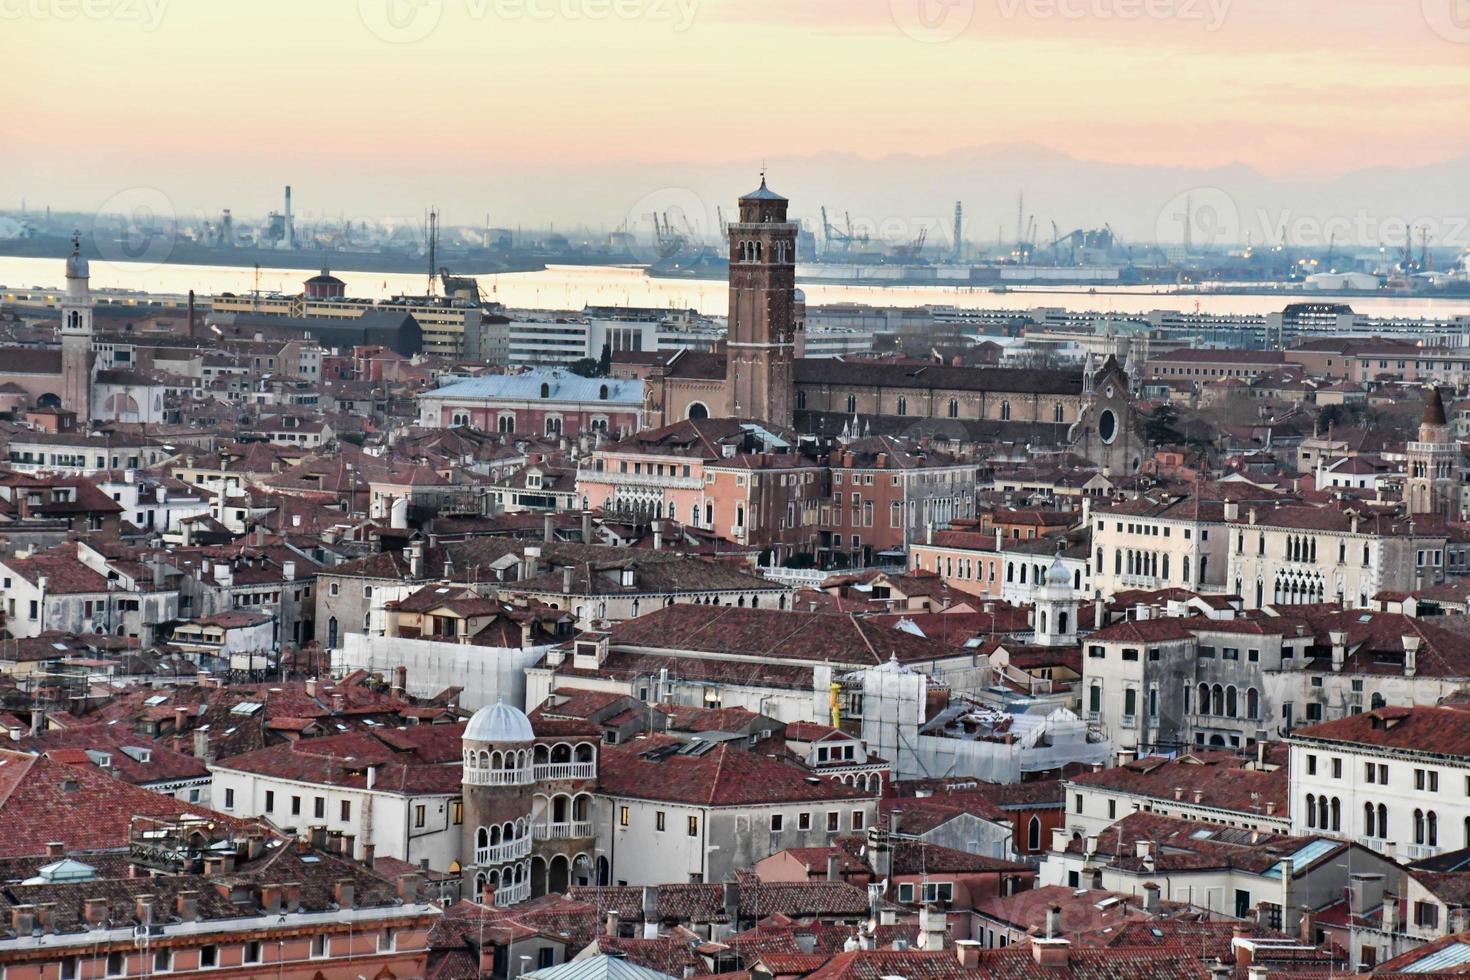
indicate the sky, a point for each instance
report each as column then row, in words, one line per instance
column 574, row 109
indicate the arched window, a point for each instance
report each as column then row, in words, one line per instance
column 1369, row 823
column 1418, row 826
column 954, row 408
column 1230, row 701
column 801, row 399
column 602, row 392
column 1058, row 413
column 1336, row 814
column 1311, row 812
column 1005, row 411
column 1252, row 703
column 1431, row 829
column 332, row 632
column 903, row 405
column 1217, row 699
column 545, row 390
column 1033, row 835
column 1204, row 699
column 851, row 403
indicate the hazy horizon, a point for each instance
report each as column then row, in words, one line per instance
column 589, row 113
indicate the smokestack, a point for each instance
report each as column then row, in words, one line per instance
column 189, row 331
column 290, row 228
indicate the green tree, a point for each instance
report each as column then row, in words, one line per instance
column 1159, row 428
column 604, row 362
column 585, row 366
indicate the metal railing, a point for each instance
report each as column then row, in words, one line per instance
column 498, row 777
column 562, row 831
column 639, row 479
column 501, row 853
column 512, row 894
column 565, row 770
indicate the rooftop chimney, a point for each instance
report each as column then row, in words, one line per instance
column 1339, row 647
column 345, row 893
column 1411, row 654
column 1053, row 922
column 186, row 906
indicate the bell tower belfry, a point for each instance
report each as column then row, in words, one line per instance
column 1433, row 486
column 76, row 335
column 761, row 342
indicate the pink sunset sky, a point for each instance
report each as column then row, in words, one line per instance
column 389, row 103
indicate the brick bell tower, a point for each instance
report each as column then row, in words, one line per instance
column 762, row 334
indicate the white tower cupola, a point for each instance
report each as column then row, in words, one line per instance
column 1056, row 606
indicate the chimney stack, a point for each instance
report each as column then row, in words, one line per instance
column 345, row 893
column 834, row 868
column 1339, row 648
column 186, row 906
column 1411, row 654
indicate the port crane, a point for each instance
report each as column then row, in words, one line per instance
column 914, row 249
column 668, row 241
column 833, row 235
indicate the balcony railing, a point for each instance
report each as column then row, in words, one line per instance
column 565, row 770
column 497, row 777
column 562, row 831
column 512, row 894
column 501, row 853
column 639, row 479
column 1418, row 852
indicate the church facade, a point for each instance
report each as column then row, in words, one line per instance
column 1087, row 412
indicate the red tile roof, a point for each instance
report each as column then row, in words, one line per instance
column 652, row 768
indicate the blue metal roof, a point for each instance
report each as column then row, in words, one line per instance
column 1303, row 857
column 1453, row 955
column 560, row 385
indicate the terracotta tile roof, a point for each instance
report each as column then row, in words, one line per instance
column 82, row 806
column 421, row 759
column 1431, row 729
column 701, row 903
column 1224, row 781
column 664, row 768
column 768, row 633
column 920, row 857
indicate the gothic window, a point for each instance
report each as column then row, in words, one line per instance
column 903, row 406
column 801, row 399
column 1005, row 411
column 852, row 403
column 1058, row 414
column 954, row 409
